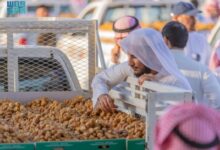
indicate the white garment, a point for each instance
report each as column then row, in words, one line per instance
column 198, row 48
column 117, row 74
column 203, row 82
column 148, row 46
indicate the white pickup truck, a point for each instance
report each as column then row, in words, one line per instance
column 32, row 71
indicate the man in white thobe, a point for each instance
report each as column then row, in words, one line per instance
column 203, row 82
column 148, row 59
column 122, row 27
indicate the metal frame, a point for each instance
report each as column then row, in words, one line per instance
column 10, row 55
column 143, row 100
column 11, row 26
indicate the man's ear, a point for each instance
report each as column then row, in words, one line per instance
column 167, row 42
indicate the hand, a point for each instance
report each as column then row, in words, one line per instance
column 106, row 103
column 146, row 77
column 115, row 54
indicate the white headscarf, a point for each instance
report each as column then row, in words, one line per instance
column 148, row 46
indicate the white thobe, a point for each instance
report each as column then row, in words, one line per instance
column 115, row 75
column 203, row 82
column 198, row 48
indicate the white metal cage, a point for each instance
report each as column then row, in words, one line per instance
column 149, row 100
column 35, row 52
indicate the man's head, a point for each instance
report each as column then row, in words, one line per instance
column 123, row 25
column 188, row 127
column 139, row 45
column 185, row 13
column 42, row 11
column 148, row 47
column 175, row 35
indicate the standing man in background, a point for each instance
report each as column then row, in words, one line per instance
column 42, row 11
column 42, row 38
column 203, row 82
column 197, row 46
column 47, row 39
column 122, row 27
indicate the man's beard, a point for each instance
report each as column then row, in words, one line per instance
column 143, row 71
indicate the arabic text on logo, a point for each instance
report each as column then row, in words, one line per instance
column 16, row 7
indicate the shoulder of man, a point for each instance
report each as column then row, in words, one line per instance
column 189, row 63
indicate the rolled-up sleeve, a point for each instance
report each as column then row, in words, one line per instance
column 108, row 78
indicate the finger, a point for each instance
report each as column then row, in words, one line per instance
column 115, row 108
column 107, row 107
column 151, row 77
column 103, row 106
column 110, row 101
column 145, row 77
column 111, row 104
column 141, row 79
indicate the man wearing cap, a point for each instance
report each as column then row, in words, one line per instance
column 122, row 27
column 197, row 46
column 148, row 59
column 204, row 84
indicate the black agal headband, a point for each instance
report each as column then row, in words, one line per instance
column 135, row 25
column 196, row 144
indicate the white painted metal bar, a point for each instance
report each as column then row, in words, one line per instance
column 156, row 86
column 10, row 62
column 99, row 51
column 71, row 75
column 92, row 51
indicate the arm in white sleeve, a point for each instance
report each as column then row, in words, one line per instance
column 211, row 89
column 108, row 78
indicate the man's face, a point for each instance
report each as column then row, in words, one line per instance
column 42, row 12
column 187, row 21
column 137, row 66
